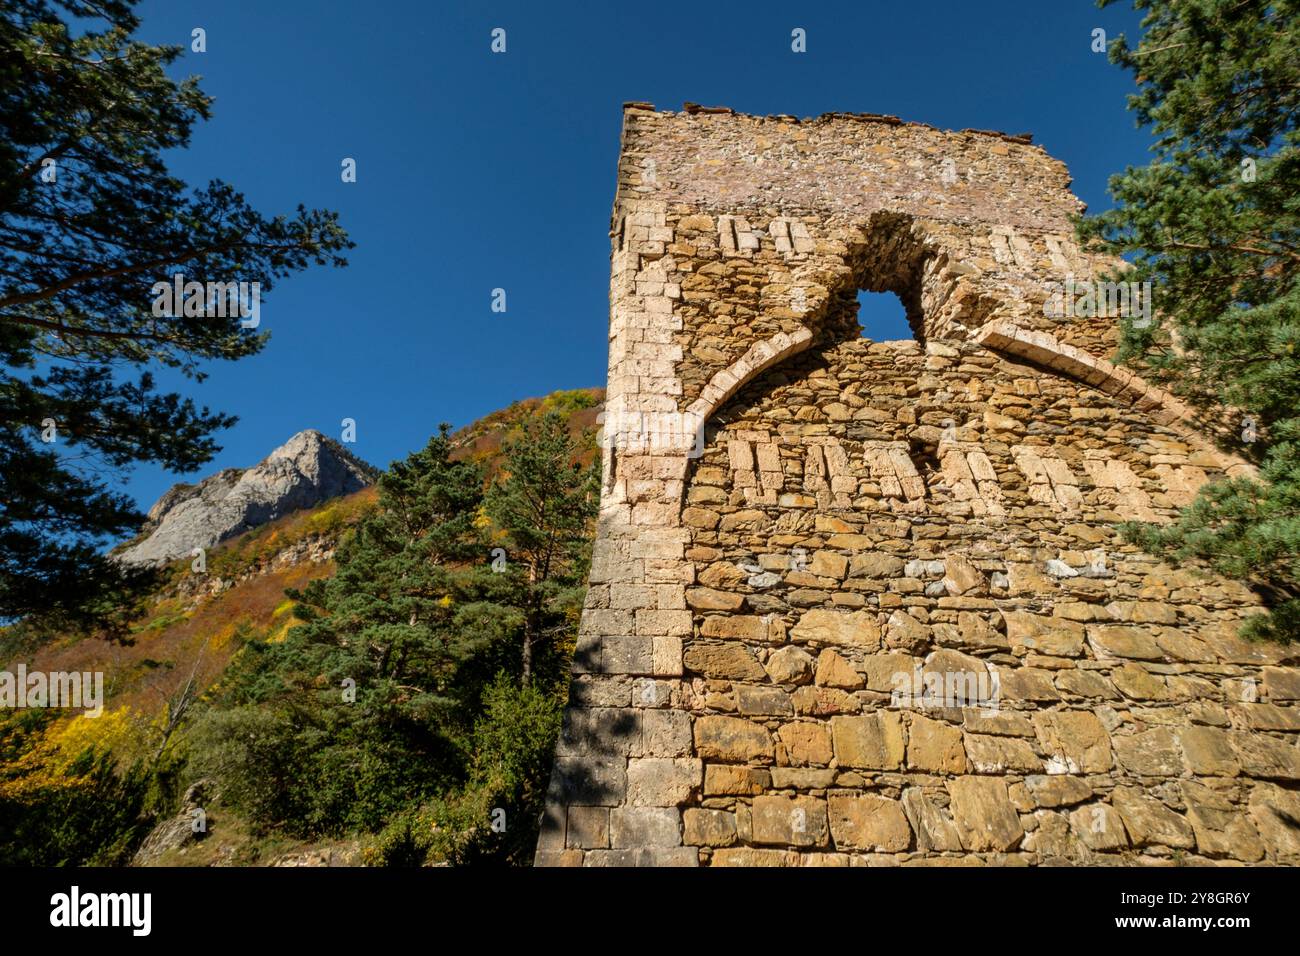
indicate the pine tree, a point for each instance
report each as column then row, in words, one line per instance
column 1213, row 222
column 432, row 635
column 90, row 220
column 390, row 617
column 544, row 504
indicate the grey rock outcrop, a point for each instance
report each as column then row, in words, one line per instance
column 179, row 831
column 306, row 470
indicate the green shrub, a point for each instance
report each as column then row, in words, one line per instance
column 496, row 816
column 89, row 814
column 255, row 757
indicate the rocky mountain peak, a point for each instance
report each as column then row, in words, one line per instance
column 306, row 470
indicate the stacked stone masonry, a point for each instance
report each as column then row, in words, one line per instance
column 864, row 603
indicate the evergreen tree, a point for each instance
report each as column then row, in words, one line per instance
column 1213, row 222
column 390, row 615
column 544, row 504
column 363, row 709
column 431, row 634
column 90, row 220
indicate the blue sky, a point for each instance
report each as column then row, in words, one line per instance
column 478, row 171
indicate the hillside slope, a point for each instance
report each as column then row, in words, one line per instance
column 196, row 625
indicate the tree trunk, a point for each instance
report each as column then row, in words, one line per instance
column 530, row 626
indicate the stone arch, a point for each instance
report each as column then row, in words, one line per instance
column 760, row 357
column 891, row 252
column 922, row 263
column 1043, row 349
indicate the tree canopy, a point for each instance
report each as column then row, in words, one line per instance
column 422, row 692
column 1213, row 222
column 90, row 220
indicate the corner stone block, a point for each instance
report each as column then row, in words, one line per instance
column 551, row 838
column 663, row 781
column 670, row 623
column 588, row 828
column 665, row 733
column 637, row 827
column 595, row 690
column 627, row 654
column 600, row 730
column 650, row 693
column 589, row 781
column 679, row 856
column 558, row 858
column 667, row 653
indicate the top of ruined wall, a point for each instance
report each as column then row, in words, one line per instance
column 844, row 165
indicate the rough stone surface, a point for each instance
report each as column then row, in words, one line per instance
column 880, row 583
column 306, row 470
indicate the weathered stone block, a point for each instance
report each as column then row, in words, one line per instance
column 763, row 701
column 1274, row 812
column 934, row 746
column 588, row 780
column 983, row 814
column 643, row 856
column 868, row 822
column 662, row 781
column 1039, row 634
column 789, row 665
column 588, row 828
column 1000, row 755
column 637, row 827
column 729, row 661
column 932, row 824
column 1149, row 822
column 1208, row 752
column 1058, row 791
column 728, row 780
column 708, row 827
column 731, row 738
column 750, row 856
column 665, row 733
column 806, row 742
column 872, row 742
column 785, row 821
column 1111, row 641
column 627, row 654
column 1074, row 740
column 1153, row 753
column 1221, row 829
column 1266, row 758
column 1099, row 826
column 834, row 671
column 848, row 629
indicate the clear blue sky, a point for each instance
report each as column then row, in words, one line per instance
column 479, row 170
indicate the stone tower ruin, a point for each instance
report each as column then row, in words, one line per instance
column 864, row 603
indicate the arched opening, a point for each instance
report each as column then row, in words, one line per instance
column 882, row 317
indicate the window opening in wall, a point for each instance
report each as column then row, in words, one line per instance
column 881, row 317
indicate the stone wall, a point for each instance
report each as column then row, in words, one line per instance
column 860, row 603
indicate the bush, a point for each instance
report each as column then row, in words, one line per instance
column 85, row 814
column 496, row 816
column 253, row 755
